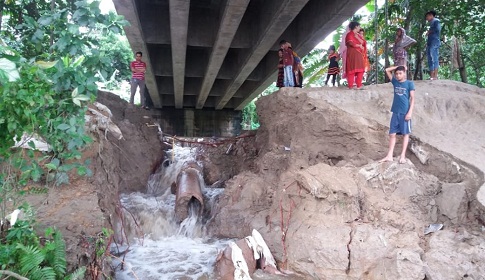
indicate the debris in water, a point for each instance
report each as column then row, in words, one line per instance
column 230, row 260
column 241, row 271
column 229, row 150
column 433, row 228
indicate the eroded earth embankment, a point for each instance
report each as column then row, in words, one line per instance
column 309, row 181
column 329, row 210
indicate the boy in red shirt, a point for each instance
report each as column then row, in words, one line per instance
column 138, row 68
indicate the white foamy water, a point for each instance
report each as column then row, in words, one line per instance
column 159, row 248
column 174, row 257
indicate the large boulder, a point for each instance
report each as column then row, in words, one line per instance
column 455, row 255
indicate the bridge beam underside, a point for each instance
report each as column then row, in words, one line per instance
column 221, row 54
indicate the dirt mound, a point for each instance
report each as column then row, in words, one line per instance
column 329, row 211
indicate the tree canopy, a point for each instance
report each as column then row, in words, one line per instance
column 462, row 30
column 50, row 62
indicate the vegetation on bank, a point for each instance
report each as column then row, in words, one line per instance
column 52, row 54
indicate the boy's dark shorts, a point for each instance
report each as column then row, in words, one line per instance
column 399, row 125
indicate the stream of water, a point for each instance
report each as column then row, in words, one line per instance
column 160, row 248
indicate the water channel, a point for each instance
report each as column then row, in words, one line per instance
column 159, row 247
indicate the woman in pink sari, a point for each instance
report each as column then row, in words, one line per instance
column 354, row 65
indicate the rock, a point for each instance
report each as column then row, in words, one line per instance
column 349, row 217
column 407, row 188
column 245, row 198
column 324, row 181
column 404, row 264
column 102, row 120
column 368, row 245
column 320, row 251
column 379, row 174
column 212, row 173
column 452, row 201
column 420, row 153
column 481, row 195
column 450, row 258
column 398, row 182
column 385, row 253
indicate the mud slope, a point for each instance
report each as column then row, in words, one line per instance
column 449, row 115
column 329, row 211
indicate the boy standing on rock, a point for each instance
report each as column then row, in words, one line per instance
column 402, row 110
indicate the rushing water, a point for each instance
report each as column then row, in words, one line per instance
column 159, row 248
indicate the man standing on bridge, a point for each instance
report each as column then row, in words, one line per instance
column 138, row 67
column 434, row 43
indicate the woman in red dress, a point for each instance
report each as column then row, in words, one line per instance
column 354, row 65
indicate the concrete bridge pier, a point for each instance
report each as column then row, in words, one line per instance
column 198, row 123
column 189, row 122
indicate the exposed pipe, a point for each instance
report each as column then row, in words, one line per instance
column 187, row 188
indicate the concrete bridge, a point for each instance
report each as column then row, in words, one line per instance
column 220, row 54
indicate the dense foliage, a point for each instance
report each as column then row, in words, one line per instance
column 460, row 53
column 250, row 120
column 34, row 257
column 50, row 62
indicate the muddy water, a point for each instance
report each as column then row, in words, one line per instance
column 159, row 248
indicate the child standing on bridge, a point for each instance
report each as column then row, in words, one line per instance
column 281, row 71
column 288, row 61
column 402, row 110
column 333, row 67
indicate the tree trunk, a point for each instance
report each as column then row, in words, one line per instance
column 409, row 14
column 52, row 31
column 461, row 63
column 420, row 53
column 477, row 77
column 387, row 63
column 2, row 5
column 418, row 71
column 386, row 41
column 376, row 46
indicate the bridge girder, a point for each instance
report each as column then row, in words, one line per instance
column 220, row 54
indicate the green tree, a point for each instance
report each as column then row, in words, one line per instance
column 315, row 67
column 250, row 119
column 49, row 65
column 461, row 19
column 115, row 46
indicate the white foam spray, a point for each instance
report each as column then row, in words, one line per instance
column 159, row 247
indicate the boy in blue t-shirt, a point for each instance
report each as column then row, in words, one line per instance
column 402, row 110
